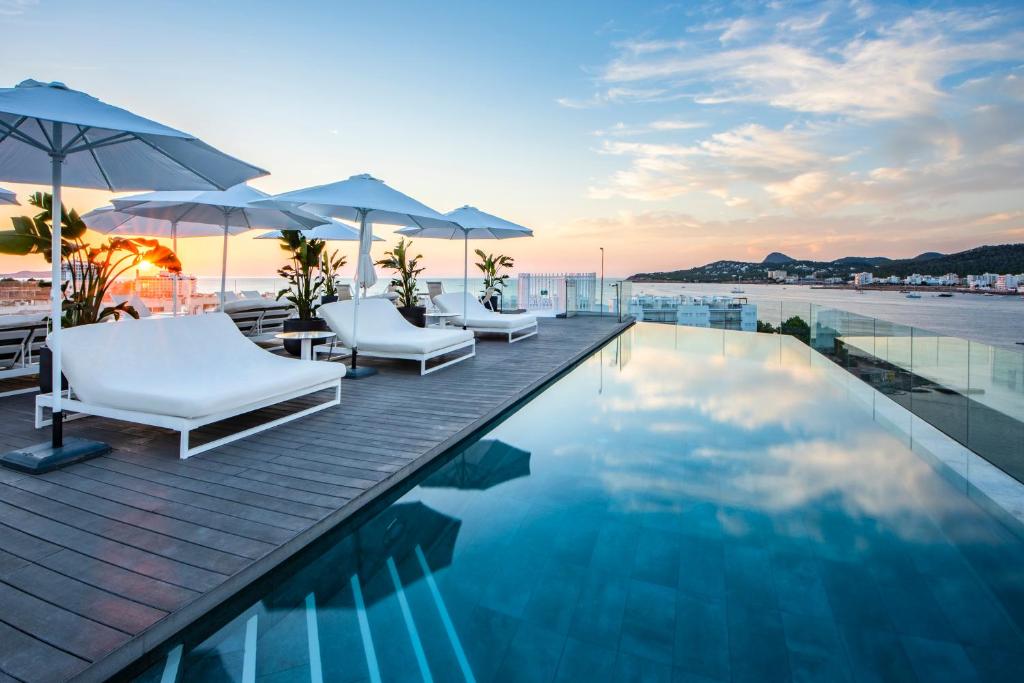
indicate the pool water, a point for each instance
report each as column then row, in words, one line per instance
column 686, row 505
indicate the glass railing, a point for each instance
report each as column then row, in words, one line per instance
column 971, row 391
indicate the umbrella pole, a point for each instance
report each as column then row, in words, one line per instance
column 174, row 281
column 356, row 372
column 47, row 456
column 56, row 212
column 465, row 277
column 224, row 266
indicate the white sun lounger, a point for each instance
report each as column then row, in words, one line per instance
column 183, row 373
column 384, row 333
column 20, row 339
column 518, row 326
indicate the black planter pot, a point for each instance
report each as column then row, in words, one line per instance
column 296, row 325
column 493, row 305
column 328, row 299
column 46, row 372
column 414, row 314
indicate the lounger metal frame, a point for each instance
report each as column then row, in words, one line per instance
column 185, row 425
column 421, row 357
column 22, row 352
column 512, row 339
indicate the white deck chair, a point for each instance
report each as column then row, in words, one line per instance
column 344, row 292
column 479, row 318
column 251, row 294
column 384, row 333
column 183, row 373
column 435, row 288
column 20, row 339
column 135, row 302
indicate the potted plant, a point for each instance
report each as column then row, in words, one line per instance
column 491, row 266
column 406, row 269
column 330, row 264
column 304, row 285
column 91, row 270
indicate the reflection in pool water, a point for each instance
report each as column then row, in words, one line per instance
column 686, row 505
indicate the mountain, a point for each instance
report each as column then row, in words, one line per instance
column 873, row 260
column 1001, row 258
column 26, row 274
column 776, row 258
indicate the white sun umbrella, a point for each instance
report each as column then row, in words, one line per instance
column 7, row 197
column 365, row 200
column 52, row 134
column 469, row 223
column 232, row 210
column 334, row 231
column 109, row 221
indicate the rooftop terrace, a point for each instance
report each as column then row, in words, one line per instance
column 104, row 560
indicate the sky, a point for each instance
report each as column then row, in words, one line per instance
column 671, row 134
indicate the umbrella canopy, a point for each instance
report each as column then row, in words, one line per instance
column 365, row 200
column 484, row 464
column 7, row 197
column 334, row 231
column 103, row 146
column 50, row 133
column 232, row 209
column 469, row 223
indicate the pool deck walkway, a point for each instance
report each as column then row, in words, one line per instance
column 104, row 560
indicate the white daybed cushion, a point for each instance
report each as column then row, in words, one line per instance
column 191, row 366
column 382, row 328
column 478, row 315
column 253, row 305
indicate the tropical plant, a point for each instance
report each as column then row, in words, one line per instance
column 491, row 266
column 406, row 270
column 330, row 264
column 91, row 270
column 302, row 274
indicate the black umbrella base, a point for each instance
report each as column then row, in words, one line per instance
column 43, row 457
column 360, row 373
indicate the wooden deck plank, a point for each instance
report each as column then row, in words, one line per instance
column 103, row 560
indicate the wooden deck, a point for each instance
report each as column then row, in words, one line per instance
column 104, row 560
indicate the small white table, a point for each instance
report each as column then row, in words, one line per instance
column 306, row 338
column 442, row 318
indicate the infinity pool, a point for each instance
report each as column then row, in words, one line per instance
column 686, row 505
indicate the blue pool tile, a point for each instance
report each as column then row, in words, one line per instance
column 599, row 609
column 702, row 638
column 757, row 645
column 914, row 610
column 585, row 663
column 938, row 661
column 816, row 652
column 748, row 577
column 876, row 656
column 853, row 596
column 632, row 669
column 996, row 666
column 701, row 567
column 531, row 657
column 797, row 580
column 975, row 616
column 615, row 548
column 508, row 589
column 554, row 596
column 648, row 624
column 657, row 557
column 485, row 635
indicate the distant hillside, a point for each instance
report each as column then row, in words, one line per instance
column 1002, row 258
column 776, row 258
column 26, row 274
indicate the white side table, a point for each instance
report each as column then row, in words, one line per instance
column 442, row 318
column 306, row 338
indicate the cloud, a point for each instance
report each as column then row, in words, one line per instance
column 621, row 129
column 12, row 8
column 891, row 73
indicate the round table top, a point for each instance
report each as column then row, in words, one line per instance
column 308, row 334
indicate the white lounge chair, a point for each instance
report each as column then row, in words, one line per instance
column 517, row 326
column 251, row 294
column 20, row 339
column 435, row 288
column 384, row 333
column 183, row 373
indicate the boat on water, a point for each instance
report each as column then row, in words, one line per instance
column 913, row 295
column 944, row 295
column 736, row 290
